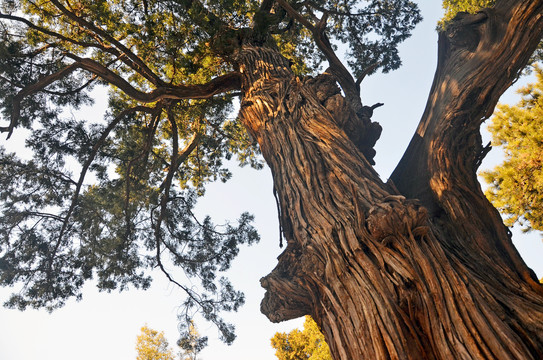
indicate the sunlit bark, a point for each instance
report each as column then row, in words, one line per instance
column 421, row 268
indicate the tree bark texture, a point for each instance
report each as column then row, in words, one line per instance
column 418, row 268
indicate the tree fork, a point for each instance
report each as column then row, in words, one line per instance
column 480, row 56
column 383, row 275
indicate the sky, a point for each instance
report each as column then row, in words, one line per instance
column 105, row 325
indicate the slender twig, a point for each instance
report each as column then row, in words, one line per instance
column 196, row 218
column 337, row 12
column 42, row 215
column 74, row 91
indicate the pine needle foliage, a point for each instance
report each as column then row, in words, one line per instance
column 110, row 199
column 516, row 185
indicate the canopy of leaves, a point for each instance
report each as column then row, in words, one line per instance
column 109, row 199
column 307, row 344
column 516, row 186
column 152, row 345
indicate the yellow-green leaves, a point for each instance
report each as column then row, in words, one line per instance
column 516, row 186
column 302, row 345
column 152, row 345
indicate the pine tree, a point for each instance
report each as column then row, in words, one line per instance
column 516, row 186
column 174, row 74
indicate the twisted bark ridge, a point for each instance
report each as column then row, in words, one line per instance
column 424, row 269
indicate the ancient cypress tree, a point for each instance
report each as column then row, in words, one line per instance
column 420, row 267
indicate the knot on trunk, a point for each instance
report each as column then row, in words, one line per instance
column 287, row 294
column 396, row 217
column 357, row 125
column 463, row 32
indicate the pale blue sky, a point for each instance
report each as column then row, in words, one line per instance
column 105, row 326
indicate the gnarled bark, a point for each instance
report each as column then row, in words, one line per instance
column 423, row 270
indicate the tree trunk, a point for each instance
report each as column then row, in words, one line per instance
column 421, row 268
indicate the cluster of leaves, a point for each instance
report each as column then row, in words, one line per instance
column 373, row 31
column 516, row 186
column 58, row 231
column 307, row 344
column 152, row 345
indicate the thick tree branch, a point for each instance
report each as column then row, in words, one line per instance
column 216, row 86
column 138, row 63
column 480, row 56
column 342, row 74
column 178, row 157
column 140, row 158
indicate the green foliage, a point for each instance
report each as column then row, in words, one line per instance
column 516, row 186
column 302, row 345
column 152, row 345
column 109, row 199
column 191, row 342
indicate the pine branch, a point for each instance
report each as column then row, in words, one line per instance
column 218, row 85
column 337, row 68
column 83, row 173
column 31, row 89
column 139, row 65
column 52, row 33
